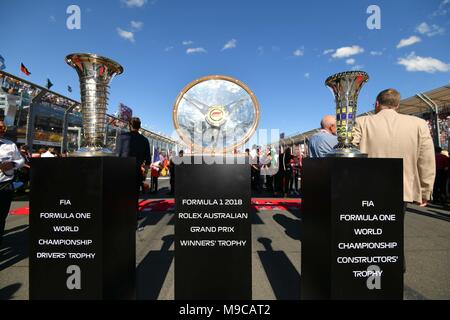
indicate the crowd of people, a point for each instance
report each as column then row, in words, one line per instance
column 275, row 172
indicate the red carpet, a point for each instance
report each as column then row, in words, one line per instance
column 20, row 211
column 259, row 204
column 156, row 205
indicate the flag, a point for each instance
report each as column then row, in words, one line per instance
column 125, row 113
column 2, row 63
column 24, row 69
column 49, row 84
column 156, row 156
column 69, row 88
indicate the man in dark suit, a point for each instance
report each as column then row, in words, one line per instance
column 133, row 144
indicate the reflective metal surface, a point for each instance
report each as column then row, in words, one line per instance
column 95, row 72
column 346, row 87
column 216, row 114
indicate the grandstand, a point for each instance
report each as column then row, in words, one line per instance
column 39, row 117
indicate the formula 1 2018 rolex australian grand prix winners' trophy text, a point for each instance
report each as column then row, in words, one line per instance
column 214, row 115
column 346, row 87
column 95, row 73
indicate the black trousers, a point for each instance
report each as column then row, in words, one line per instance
column 5, row 203
column 440, row 185
column 172, row 183
column 154, row 184
column 286, row 179
column 269, row 183
column 278, row 181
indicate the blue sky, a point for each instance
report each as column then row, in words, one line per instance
column 283, row 50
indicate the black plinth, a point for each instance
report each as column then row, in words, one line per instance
column 82, row 228
column 352, row 229
column 213, row 236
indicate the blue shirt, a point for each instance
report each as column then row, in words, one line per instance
column 321, row 143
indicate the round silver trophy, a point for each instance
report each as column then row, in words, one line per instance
column 95, row 73
column 346, row 87
column 215, row 114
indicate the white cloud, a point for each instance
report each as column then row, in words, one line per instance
column 187, row 42
column 230, row 45
column 408, row 42
column 430, row 31
column 327, row 51
column 415, row 63
column 195, row 50
column 127, row 35
column 52, row 19
column 346, row 52
column 350, row 61
column 376, row 53
column 167, row 49
column 137, row 25
column 423, row 28
column 357, row 67
column 307, row 75
column 298, row 53
column 444, row 8
column 134, row 3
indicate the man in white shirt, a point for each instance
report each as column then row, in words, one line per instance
column 10, row 160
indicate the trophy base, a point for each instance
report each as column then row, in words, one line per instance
column 92, row 152
column 346, row 153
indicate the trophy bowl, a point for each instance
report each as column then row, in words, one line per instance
column 215, row 114
column 346, row 87
column 95, row 73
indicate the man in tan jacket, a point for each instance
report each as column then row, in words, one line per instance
column 388, row 134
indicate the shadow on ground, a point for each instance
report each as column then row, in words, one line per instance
column 14, row 246
column 7, row 293
column 153, row 269
column 282, row 275
column 432, row 214
column 291, row 226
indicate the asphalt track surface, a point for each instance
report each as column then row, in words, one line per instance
column 276, row 253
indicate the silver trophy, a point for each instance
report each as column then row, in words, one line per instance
column 346, row 87
column 216, row 114
column 95, row 73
